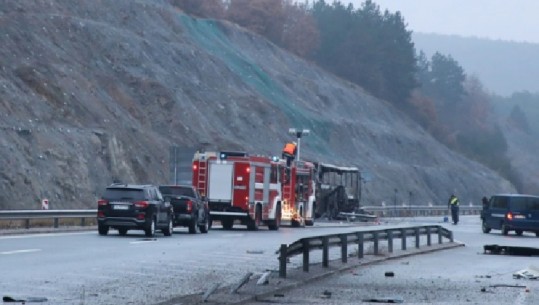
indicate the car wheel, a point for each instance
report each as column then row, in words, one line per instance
column 122, row 231
column 484, row 226
column 103, row 229
column 519, row 232
column 193, row 226
column 505, row 229
column 205, row 226
column 169, row 229
column 150, row 230
column 536, row 234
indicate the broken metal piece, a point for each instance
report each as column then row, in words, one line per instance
column 209, row 292
column 385, row 300
column 532, row 273
column 242, row 282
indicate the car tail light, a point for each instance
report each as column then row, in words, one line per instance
column 141, row 204
column 102, row 202
column 189, row 205
column 100, row 214
column 141, row 216
column 509, row 216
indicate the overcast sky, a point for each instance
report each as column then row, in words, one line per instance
column 495, row 19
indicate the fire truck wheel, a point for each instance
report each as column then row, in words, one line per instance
column 254, row 224
column 275, row 224
column 309, row 222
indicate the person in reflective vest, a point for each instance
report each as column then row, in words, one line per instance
column 289, row 152
column 453, row 203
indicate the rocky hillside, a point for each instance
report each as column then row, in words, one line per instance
column 92, row 91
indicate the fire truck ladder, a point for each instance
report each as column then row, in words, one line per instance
column 287, row 193
column 202, row 171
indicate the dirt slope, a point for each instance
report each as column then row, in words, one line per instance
column 92, row 91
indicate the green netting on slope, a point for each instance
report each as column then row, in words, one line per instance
column 208, row 34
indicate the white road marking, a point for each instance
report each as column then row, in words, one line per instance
column 46, row 235
column 142, row 241
column 19, row 251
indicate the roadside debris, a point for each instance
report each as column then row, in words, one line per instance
column 242, row 282
column 210, row 291
column 326, row 294
column 264, row 278
column 510, row 250
column 255, row 252
column 532, row 273
column 9, row 299
column 389, row 274
column 385, row 300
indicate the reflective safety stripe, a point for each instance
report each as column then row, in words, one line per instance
column 454, row 201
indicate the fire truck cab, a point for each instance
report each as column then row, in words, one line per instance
column 239, row 187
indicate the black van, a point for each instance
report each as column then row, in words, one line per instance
column 511, row 212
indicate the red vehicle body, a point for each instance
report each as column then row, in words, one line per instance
column 255, row 189
column 239, row 187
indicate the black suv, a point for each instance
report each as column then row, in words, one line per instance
column 190, row 208
column 140, row 207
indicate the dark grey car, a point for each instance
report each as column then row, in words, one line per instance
column 190, row 208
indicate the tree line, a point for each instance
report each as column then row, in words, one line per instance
column 374, row 49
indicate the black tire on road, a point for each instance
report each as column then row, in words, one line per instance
column 275, row 224
column 150, row 229
column 227, row 224
column 519, row 232
column 193, row 226
column 122, row 231
column 254, row 224
column 169, row 229
column 484, row 227
column 505, row 229
column 103, row 229
column 203, row 228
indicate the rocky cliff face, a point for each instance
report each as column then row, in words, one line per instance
column 92, row 91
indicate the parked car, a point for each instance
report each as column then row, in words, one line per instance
column 511, row 212
column 190, row 208
column 134, row 207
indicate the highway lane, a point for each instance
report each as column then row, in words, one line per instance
column 86, row 268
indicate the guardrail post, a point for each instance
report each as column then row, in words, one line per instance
column 416, row 231
column 359, row 245
column 82, row 222
column 440, row 234
column 325, row 251
column 428, row 237
column 306, row 249
column 56, row 223
column 375, row 240
column 282, row 261
column 344, row 248
column 403, row 239
column 390, row 241
column 27, row 223
column 451, row 236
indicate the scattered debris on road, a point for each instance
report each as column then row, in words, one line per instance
column 10, row 299
column 389, row 274
column 385, row 300
column 511, row 250
column 532, row 273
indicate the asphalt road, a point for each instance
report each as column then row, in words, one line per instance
column 84, row 268
column 462, row 275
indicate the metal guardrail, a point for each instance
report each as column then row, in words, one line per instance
column 27, row 215
column 305, row 245
column 407, row 211
column 378, row 211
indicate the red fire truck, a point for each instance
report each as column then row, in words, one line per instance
column 239, row 187
column 298, row 193
column 255, row 189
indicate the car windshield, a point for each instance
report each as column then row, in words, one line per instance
column 123, row 194
column 177, row 190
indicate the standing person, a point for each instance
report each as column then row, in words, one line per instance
column 485, row 203
column 289, row 152
column 454, row 204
